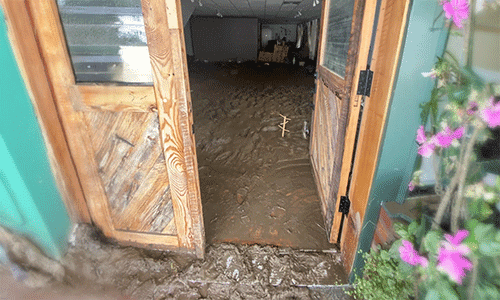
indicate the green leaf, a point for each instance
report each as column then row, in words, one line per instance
column 483, row 232
column 412, row 228
column 446, row 291
column 423, row 228
column 431, row 242
column 432, row 295
column 394, row 250
column 490, row 248
column 479, row 209
column 486, row 236
column 401, row 230
column 405, row 269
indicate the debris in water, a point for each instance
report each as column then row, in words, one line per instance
column 282, row 126
column 241, row 195
column 305, row 131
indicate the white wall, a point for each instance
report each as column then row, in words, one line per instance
column 283, row 30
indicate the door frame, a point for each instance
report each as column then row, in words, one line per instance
column 39, row 42
column 56, row 122
column 362, row 149
column 364, row 9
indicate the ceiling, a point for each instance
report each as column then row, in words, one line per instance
column 268, row 11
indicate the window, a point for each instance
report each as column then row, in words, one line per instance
column 338, row 32
column 106, row 40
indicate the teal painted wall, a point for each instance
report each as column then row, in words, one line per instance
column 30, row 201
column 424, row 42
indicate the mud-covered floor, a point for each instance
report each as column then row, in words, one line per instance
column 95, row 268
column 256, row 186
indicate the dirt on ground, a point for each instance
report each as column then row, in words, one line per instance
column 256, row 184
column 95, row 268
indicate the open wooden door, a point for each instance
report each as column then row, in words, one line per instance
column 344, row 43
column 131, row 142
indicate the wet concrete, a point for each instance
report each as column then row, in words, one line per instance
column 95, row 268
column 256, row 186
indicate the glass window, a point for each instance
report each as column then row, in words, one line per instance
column 106, row 40
column 487, row 41
column 338, row 32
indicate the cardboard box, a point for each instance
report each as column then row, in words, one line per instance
column 265, row 56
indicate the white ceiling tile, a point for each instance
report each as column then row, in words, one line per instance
column 263, row 9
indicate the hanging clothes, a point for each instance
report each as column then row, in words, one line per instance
column 300, row 34
column 312, row 37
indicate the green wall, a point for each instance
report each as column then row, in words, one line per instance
column 30, row 202
column 424, row 41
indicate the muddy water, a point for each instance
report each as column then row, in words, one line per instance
column 227, row 272
column 96, row 268
column 257, row 186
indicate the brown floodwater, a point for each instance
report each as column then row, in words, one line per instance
column 256, row 186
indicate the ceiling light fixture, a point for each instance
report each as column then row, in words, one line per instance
column 219, row 14
column 315, row 2
column 299, row 13
column 199, row 2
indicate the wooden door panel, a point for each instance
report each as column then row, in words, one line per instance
column 132, row 169
column 328, row 144
column 133, row 147
column 336, row 106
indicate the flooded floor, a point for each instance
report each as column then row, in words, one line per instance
column 95, row 268
column 256, row 186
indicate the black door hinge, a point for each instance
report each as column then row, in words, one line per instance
column 344, row 205
column 365, row 82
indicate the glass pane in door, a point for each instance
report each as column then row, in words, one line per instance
column 106, row 40
column 338, row 32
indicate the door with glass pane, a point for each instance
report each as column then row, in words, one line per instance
column 119, row 78
column 335, row 107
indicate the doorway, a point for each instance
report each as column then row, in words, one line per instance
column 256, row 181
column 102, row 122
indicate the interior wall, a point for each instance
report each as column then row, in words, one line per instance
column 283, row 30
column 221, row 39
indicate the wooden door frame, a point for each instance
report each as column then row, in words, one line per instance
column 390, row 34
column 362, row 160
column 31, row 66
column 366, row 10
column 46, row 66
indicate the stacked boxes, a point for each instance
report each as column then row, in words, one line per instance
column 278, row 56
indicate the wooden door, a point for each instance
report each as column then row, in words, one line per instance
column 344, row 42
column 131, row 144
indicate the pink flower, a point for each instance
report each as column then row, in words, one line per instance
column 451, row 258
column 409, row 255
column 456, row 9
column 421, row 138
column 445, row 137
column 411, row 186
column 491, row 114
column 472, row 108
column 426, row 146
column 426, row 149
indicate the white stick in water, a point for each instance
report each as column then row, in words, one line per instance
column 282, row 126
column 305, row 131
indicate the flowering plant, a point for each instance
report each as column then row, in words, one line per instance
column 454, row 253
column 464, row 263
